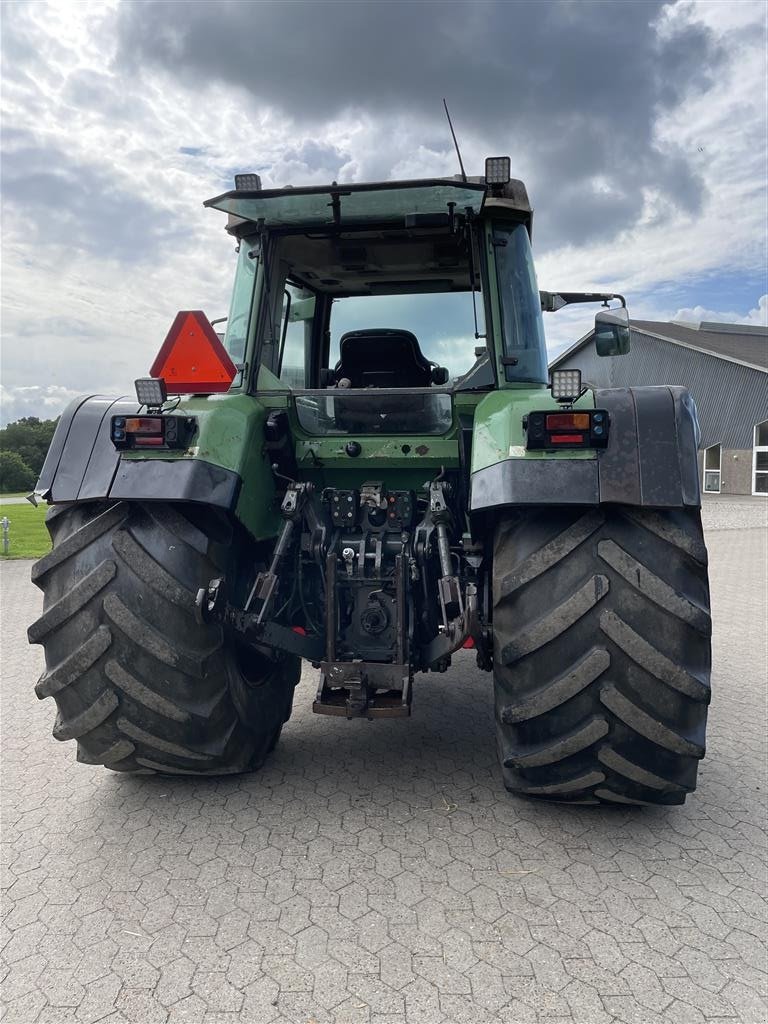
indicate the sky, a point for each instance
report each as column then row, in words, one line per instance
column 638, row 127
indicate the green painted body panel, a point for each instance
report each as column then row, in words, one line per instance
column 404, row 462
column 498, row 428
column 231, row 431
column 231, row 435
column 324, row 461
column 401, row 461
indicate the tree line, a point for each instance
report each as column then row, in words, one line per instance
column 23, row 446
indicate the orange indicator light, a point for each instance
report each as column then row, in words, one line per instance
column 568, row 421
column 144, row 425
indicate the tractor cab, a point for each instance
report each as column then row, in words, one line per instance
column 403, row 285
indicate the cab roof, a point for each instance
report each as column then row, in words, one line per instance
column 398, row 202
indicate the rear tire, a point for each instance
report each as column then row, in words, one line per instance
column 601, row 653
column 138, row 683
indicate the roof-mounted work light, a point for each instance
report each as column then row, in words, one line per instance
column 497, row 170
column 566, row 385
column 248, row 182
column 151, row 391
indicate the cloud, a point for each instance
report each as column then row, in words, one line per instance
column 78, row 206
column 756, row 317
column 576, row 87
column 45, row 402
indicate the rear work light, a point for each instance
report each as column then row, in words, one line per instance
column 247, row 183
column 566, row 385
column 151, row 391
column 557, row 430
column 498, row 170
column 152, row 431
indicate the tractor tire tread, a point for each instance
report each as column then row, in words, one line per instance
column 601, row 653
column 137, row 682
column 70, row 603
column 77, row 541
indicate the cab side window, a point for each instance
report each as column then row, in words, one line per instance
column 296, row 322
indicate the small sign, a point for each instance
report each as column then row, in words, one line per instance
column 192, row 359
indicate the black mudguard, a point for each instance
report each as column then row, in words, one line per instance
column 650, row 460
column 82, row 464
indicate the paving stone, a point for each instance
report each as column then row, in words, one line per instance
column 175, row 981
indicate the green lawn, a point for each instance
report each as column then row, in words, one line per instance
column 27, row 536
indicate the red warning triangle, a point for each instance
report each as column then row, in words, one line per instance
column 192, row 360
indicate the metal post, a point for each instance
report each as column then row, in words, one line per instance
column 5, row 523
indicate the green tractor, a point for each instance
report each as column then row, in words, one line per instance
column 369, row 470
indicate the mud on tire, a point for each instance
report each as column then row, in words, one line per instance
column 601, row 653
column 139, row 684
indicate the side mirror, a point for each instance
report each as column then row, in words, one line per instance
column 612, row 332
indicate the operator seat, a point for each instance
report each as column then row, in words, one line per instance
column 382, row 357
column 385, row 358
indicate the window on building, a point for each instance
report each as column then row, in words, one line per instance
column 712, row 466
column 760, row 459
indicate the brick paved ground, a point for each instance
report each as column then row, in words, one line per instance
column 734, row 512
column 378, row 872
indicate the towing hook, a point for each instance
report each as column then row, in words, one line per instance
column 209, row 601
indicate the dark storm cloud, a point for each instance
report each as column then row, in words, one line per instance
column 77, row 205
column 576, row 87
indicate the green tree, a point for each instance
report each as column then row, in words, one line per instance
column 30, row 438
column 15, row 474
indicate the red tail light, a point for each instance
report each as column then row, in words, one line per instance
column 152, row 431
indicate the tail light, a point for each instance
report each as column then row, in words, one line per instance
column 152, row 431
column 556, row 430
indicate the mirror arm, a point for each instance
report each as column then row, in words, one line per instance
column 552, row 301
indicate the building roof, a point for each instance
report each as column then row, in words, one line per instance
column 737, row 343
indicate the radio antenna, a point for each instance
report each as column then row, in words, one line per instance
column 453, row 133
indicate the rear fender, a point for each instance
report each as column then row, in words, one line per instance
column 224, row 466
column 650, row 460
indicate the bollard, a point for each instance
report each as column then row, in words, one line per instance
column 5, row 523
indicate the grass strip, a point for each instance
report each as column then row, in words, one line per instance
column 27, row 535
